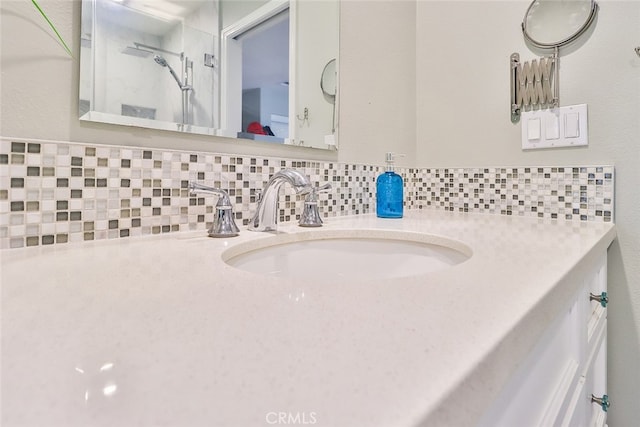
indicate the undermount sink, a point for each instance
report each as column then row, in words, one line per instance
column 356, row 254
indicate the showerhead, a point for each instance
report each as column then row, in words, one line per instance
column 163, row 62
column 160, row 60
column 136, row 51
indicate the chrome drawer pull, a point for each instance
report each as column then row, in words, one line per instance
column 603, row 401
column 603, row 299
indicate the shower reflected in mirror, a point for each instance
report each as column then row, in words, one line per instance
column 185, row 88
column 132, row 58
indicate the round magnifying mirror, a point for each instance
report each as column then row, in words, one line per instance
column 555, row 23
column 328, row 81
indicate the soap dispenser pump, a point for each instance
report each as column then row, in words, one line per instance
column 389, row 191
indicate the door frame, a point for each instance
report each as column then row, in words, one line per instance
column 230, row 108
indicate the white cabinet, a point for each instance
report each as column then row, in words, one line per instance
column 554, row 384
column 593, row 379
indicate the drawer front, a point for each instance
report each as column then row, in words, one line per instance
column 597, row 285
column 593, row 382
column 596, row 382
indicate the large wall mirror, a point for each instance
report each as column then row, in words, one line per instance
column 251, row 69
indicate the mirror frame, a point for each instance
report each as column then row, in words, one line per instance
column 565, row 41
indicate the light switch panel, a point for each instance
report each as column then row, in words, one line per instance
column 557, row 127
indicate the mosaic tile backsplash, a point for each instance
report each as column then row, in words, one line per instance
column 58, row 192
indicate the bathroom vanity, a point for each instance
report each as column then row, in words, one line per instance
column 160, row 330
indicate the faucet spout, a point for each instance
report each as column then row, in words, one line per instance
column 266, row 216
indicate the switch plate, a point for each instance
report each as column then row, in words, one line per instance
column 558, row 127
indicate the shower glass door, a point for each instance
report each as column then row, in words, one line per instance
column 150, row 66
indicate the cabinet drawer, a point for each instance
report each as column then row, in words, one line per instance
column 597, row 284
column 593, row 381
column 596, row 380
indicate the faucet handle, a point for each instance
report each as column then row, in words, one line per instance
column 224, row 224
column 312, row 196
column 197, row 188
column 310, row 214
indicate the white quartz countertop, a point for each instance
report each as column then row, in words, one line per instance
column 159, row 331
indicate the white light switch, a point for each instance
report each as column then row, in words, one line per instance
column 533, row 129
column 555, row 127
column 572, row 125
column 552, row 127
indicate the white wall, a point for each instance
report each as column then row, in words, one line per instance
column 233, row 10
column 377, row 80
column 462, row 82
column 409, row 71
column 172, row 41
column 274, row 100
column 316, row 44
column 132, row 80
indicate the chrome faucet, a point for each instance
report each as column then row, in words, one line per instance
column 223, row 223
column 310, row 215
column 266, row 216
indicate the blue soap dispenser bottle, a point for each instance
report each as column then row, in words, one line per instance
column 389, row 192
